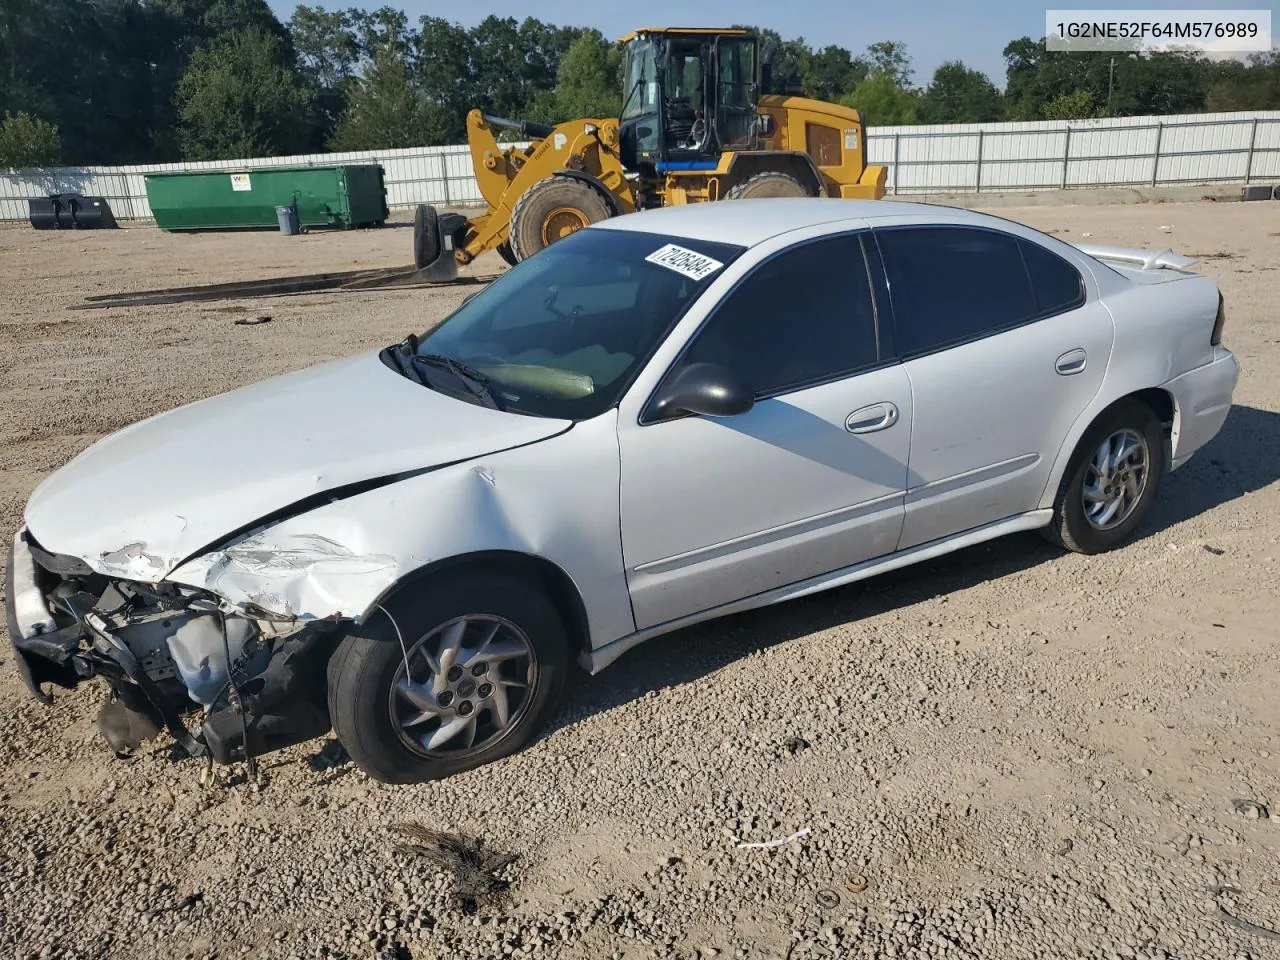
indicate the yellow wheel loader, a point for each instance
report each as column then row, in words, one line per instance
column 693, row 127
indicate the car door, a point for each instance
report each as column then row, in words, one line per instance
column 1004, row 351
column 809, row 480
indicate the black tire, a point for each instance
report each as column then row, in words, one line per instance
column 504, row 251
column 764, row 185
column 1071, row 528
column 550, row 206
column 426, row 236
column 364, row 667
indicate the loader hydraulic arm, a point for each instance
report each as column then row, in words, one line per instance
column 586, row 149
column 529, row 129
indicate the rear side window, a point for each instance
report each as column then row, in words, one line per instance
column 954, row 284
column 1058, row 284
column 803, row 316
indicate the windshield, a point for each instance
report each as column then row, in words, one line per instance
column 640, row 80
column 563, row 333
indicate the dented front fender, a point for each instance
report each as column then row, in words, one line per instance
column 555, row 500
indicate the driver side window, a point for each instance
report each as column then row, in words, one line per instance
column 804, row 316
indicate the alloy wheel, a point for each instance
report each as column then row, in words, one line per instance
column 463, row 687
column 1116, row 479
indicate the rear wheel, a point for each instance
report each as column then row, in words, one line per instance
column 552, row 209
column 1111, row 480
column 771, row 184
column 467, row 673
column 504, row 251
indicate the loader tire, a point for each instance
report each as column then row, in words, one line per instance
column 504, row 251
column 767, row 185
column 426, row 236
column 551, row 209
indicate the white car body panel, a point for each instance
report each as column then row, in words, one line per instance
column 556, row 500
column 653, row 525
column 713, row 510
column 708, row 507
column 598, row 658
column 1153, row 351
column 138, row 502
column 986, row 414
column 1202, row 400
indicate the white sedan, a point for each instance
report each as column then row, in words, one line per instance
column 661, row 419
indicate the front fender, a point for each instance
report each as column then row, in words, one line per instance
column 556, row 499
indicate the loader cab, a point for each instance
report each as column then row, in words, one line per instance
column 688, row 95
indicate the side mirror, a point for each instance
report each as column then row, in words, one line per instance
column 706, row 389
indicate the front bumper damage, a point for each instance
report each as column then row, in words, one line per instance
column 253, row 681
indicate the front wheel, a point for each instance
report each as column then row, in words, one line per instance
column 447, row 678
column 1110, row 481
column 552, row 209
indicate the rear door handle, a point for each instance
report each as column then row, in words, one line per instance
column 1071, row 362
column 877, row 416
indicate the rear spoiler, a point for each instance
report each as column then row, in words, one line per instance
column 1143, row 259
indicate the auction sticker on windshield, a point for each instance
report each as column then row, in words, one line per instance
column 687, row 262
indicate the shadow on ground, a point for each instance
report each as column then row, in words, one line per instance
column 1242, row 458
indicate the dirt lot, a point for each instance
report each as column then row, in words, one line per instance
column 1009, row 753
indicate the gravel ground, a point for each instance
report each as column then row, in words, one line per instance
column 1008, row 753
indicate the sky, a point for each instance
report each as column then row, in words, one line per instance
column 934, row 31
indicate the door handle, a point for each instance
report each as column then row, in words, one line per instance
column 877, row 416
column 1073, row 361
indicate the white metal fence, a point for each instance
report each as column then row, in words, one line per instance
column 1055, row 155
column 440, row 175
column 1048, row 155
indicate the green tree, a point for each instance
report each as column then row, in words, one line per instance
column 1076, row 105
column 444, row 76
column 239, row 98
column 1251, row 86
column 510, row 63
column 544, row 47
column 882, row 102
column 889, row 58
column 178, row 29
column 385, row 110
column 379, row 29
column 193, row 24
column 326, row 43
column 328, row 57
column 832, row 72
column 790, row 65
column 884, row 97
column 27, row 141
column 1121, row 82
column 958, row 94
column 588, row 83
column 102, row 98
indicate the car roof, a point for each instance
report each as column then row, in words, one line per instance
column 749, row 222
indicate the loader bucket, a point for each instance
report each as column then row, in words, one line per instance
column 435, row 237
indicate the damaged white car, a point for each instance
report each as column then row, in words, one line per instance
column 657, row 420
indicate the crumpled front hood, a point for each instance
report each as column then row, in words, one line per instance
column 141, row 500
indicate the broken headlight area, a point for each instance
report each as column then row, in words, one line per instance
column 226, row 683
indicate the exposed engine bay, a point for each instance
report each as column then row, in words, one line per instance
column 251, row 681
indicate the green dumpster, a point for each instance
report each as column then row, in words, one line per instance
column 338, row 196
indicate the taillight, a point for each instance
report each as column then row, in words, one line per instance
column 1219, row 322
